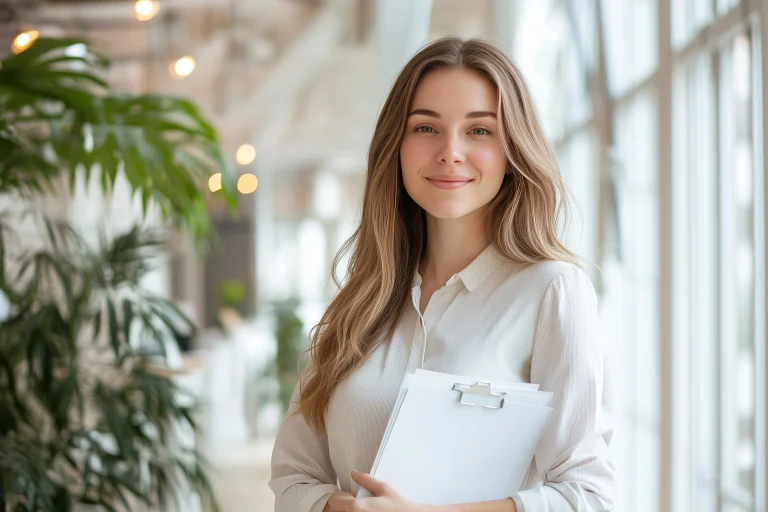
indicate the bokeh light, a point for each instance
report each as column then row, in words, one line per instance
column 24, row 40
column 183, row 67
column 214, row 182
column 247, row 183
column 245, row 154
column 146, row 9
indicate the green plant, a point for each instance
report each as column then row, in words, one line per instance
column 232, row 293
column 289, row 333
column 83, row 418
column 59, row 115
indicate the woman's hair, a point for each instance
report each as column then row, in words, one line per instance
column 522, row 220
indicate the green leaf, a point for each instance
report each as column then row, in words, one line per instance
column 114, row 335
column 51, row 236
column 127, row 319
column 97, row 326
column 63, row 395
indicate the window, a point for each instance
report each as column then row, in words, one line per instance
column 637, row 361
column 738, row 363
column 579, row 167
column 718, row 288
column 695, row 229
column 724, row 6
column 630, row 29
column 690, row 16
column 717, row 213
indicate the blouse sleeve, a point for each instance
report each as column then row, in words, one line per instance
column 572, row 458
column 303, row 477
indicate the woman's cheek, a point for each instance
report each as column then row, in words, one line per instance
column 410, row 149
column 411, row 157
column 489, row 160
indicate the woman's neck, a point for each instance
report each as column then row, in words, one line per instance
column 451, row 246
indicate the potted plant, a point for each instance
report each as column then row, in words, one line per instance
column 83, row 418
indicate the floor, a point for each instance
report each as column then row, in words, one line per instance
column 240, row 475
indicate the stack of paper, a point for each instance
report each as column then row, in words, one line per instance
column 438, row 450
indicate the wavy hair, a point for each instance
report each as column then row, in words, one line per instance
column 522, row 220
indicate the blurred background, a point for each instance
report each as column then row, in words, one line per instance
column 656, row 109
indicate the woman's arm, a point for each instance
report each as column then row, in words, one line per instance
column 387, row 499
column 486, row 506
column 572, row 458
column 303, row 477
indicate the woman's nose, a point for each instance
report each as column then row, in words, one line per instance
column 452, row 150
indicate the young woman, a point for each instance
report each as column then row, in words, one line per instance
column 456, row 267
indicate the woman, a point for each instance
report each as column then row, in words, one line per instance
column 456, row 267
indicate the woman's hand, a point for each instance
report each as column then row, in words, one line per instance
column 340, row 502
column 385, row 498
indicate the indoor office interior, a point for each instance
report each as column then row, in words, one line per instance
column 257, row 117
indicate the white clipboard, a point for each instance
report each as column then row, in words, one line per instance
column 454, row 439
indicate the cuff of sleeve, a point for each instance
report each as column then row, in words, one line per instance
column 317, row 497
column 519, row 504
column 540, row 499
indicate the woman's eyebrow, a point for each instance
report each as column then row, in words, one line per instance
column 432, row 113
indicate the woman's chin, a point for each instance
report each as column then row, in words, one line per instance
column 452, row 213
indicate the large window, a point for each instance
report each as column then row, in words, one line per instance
column 637, row 338
column 737, row 275
column 689, row 379
column 718, row 285
column 695, row 285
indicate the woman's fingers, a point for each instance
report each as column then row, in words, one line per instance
column 339, row 502
column 377, row 487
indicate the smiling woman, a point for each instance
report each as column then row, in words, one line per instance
column 451, row 144
column 456, row 267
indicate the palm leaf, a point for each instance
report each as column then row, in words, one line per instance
column 59, row 118
column 164, row 145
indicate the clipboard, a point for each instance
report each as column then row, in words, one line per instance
column 453, row 439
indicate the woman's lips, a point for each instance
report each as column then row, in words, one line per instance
column 447, row 184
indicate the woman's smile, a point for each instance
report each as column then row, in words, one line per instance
column 448, row 182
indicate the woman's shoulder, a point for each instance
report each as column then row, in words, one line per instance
column 559, row 277
column 545, row 271
column 567, row 280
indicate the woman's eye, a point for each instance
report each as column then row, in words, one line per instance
column 424, row 129
column 480, row 131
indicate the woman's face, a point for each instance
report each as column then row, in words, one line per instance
column 451, row 155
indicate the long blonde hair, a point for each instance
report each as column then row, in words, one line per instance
column 523, row 219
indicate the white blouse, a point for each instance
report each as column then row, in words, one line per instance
column 498, row 319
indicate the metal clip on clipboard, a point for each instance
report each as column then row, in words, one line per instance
column 480, row 394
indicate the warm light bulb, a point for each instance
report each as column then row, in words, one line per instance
column 214, row 182
column 183, row 67
column 245, row 154
column 24, row 40
column 146, row 9
column 247, row 183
